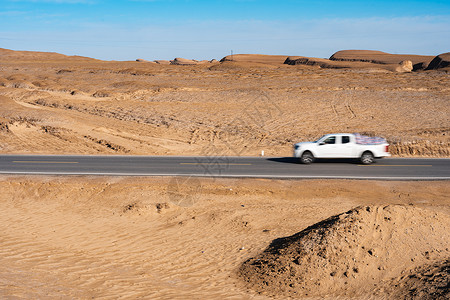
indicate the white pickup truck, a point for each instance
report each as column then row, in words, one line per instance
column 342, row 145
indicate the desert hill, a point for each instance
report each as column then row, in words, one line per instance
column 35, row 56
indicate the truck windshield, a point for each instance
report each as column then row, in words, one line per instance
column 318, row 139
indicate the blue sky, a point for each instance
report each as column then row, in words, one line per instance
column 165, row 29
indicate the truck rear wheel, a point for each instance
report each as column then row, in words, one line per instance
column 367, row 158
column 307, row 158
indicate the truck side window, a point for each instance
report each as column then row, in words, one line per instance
column 345, row 139
column 330, row 140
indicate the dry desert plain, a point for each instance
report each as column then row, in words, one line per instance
column 117, row 237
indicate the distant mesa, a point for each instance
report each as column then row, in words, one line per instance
column 256, row 58
column 162, row 62
column 346, row 59
column 366, row 59
column 359, row 55
column 330, row 64
column 302, row 60
column 144, row 60
column 313, row 61
column 379, row 57
column 442, row 61
column 371, row 60
column 186, row 62
column 183, row 61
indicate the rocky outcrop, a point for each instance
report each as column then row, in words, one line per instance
column 439, row 62
column 4, row 125
column 325, row 63
column 349, row 253
column 404, row 66
column 311, row 61
column 420, row 66
column 301, row 60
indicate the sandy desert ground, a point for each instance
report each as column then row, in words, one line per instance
column 191, row 238
column 132, row 238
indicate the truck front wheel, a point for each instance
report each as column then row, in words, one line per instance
column 367, row 158
column 307, row 158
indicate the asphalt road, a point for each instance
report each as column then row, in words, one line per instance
column 239, row 167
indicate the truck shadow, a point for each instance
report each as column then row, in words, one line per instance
column 293, row 160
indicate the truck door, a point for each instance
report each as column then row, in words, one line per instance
column 328, row 147
column 345, row 148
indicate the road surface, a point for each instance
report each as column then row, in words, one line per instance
column 238, row 167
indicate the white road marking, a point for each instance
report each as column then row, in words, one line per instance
column 43, row 162
column 232, row 176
